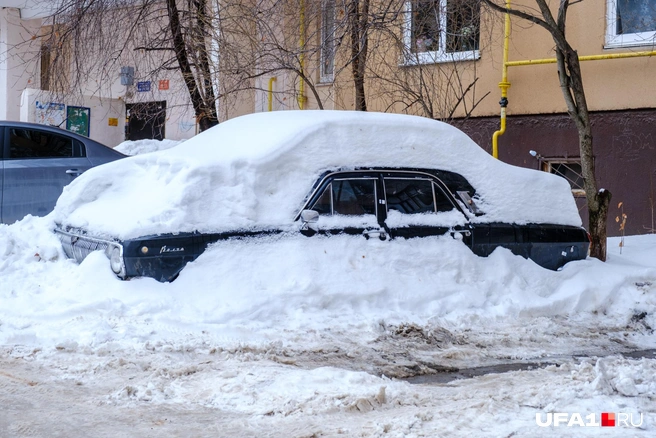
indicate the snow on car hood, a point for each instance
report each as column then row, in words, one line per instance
column 255, row 171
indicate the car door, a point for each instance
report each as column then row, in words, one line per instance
column 37, row 165
column 419, row 205
column 347, row 202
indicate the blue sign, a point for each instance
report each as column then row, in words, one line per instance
column 143, row 86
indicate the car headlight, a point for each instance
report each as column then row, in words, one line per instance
column 116, row 260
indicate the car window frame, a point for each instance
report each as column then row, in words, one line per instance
column 379, row 174
column 78, row 149
column 343, row 176
column 432, row 184
column 437, row 183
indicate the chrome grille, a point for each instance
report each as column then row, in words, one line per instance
column 77, row 247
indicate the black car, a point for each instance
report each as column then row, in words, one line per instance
column 379, row 202
column 37, row 161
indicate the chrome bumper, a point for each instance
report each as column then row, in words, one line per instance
column 78, row 246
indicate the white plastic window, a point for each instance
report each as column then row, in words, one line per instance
column 630, row 23
column 327, row 40
column 441, row 31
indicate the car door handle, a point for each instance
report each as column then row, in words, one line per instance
column 461, row 233
column 380, row 233
column 75, row 172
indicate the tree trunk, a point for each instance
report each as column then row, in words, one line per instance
column 209, row 116
column 359, row 42
column 598, row 200
column 597, row 226
column 571, row 85
column 571, row 80
column 205, row 111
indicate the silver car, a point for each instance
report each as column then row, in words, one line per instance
column 37, row 161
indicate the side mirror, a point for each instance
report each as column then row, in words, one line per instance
column 309, row 217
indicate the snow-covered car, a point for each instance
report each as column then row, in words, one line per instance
column 37, row 161
column 382, row 176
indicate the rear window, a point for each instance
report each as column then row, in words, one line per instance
column 415, row 195
column 33, row 143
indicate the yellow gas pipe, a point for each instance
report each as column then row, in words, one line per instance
column 503, row 85
column 301, row 43
column 271, row 81
column 583, row 58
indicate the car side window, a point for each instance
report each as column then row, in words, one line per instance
column 355, row 196
column 414, row 195
column 324, row 204
column 32, row 143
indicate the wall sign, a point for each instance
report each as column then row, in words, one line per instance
column 50, row 113
column 164, row 84
column 78, row 119
column 143, row 86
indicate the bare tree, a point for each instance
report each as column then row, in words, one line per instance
column 571, row 84
column 190, row 45
column 93, row 38
column 426, row 76
column 230, row 51
column 358, row 26
column 266, row 39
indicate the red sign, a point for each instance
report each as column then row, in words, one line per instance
column 164, row 84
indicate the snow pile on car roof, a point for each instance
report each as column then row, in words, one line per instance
column 255, row 171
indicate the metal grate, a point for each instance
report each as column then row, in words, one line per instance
column 570, row 170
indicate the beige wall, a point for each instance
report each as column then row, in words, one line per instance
column 609, row 84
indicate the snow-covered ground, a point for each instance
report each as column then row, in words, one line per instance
column 298, row 337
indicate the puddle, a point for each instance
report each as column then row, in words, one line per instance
column 649, row 354
column 468, row 373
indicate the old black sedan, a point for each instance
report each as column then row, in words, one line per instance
column 381, row 176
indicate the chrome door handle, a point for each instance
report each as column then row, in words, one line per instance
column 75, row 172
column 380, row 233
column 465, row 233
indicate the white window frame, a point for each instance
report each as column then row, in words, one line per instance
column 327, row 77
column 613, row 40
column 436, row 56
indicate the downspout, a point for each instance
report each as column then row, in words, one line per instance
column 503, row 85
column 271, row 81
column 301, row 43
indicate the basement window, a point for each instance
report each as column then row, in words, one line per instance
column 570, row 170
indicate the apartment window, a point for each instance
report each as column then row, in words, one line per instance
column 441, row 30
column 630, row 23
column 327, row 41
column 570, row 170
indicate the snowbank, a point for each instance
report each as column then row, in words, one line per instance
column 138, row 147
